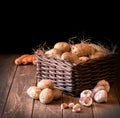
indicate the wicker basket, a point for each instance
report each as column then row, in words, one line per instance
column 72, row 78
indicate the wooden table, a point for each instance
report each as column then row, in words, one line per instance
column 15, row 103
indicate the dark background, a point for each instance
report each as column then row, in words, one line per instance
column 24, row 28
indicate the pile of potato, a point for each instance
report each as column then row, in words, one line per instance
column 75, row 53
column 44, row 91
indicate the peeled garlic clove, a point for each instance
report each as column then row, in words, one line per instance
column 101, row 96
column 86, row 93
column 34, row 92
column 64, row 105
column 97, row 88
column 76, row 108
column 86, row 101
column 105, row 84
column 70, row 105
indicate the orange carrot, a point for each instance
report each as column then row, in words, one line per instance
column 18, row 61
column 25, row 60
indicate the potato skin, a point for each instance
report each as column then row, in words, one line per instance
column 63, row 46
column 46, row 96
column 57, row 93
column 82, row 49
column 45, row 83
column 34, row 92
column 70, row 57
column 53, row 53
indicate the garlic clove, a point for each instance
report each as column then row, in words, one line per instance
column 86, row 93
column 101, row 96
column 76, row 108
column 64, row 105
column 70, row 105
column 86, row 101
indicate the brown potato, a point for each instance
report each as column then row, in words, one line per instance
column 70, row 57
column 45, row 83
column 62, row 46
column 82, row 49
column 34, row 92
column 46, row 96
column 53, row 53
column 97, row 55
column 57, row 93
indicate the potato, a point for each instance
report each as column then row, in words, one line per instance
column 70, row 57
column 57, row 93
column 97, row 55
column 46, row 96
column 45, row 83
column 62, row 46
column 82, row 49
column 34, row 92
column 100, row 48
column 53, row 53
column 83, row 58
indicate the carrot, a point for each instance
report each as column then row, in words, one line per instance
column 18, row 61
column 34, row 60
column 30, row 59
column 25, row 60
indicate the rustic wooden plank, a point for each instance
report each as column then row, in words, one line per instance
column 86, row 112
column 7, row 70
column 19, row 104
column 111, row 109
column 52, row 110
column 117, row 89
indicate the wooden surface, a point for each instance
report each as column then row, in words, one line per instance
column 15, row 103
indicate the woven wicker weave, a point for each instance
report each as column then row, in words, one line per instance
column 72, row 78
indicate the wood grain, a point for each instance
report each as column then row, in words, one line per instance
column 7, row 71
column 19, row 104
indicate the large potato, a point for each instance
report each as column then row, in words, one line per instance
column 57, row 93
column 53, row 53
column 45, row 83
column 62, row 46
column 82, row 49
column 46, row 96
column 34, row 92
column 70, row 57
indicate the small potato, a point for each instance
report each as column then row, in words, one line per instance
column 53, row 53
column 57, row 93
column 97, row 55
column 62, row 46
column 34, row 92
column 45, row 83
column 46, row 96
column 83, row 58
column 70, row 57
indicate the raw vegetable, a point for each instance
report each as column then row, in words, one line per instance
column 62, row 46
column 26, row 59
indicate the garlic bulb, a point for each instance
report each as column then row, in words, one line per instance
column 101, row 96
column 97, row 88
column 86, row 101
column 86, row 93
column 105, row 84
